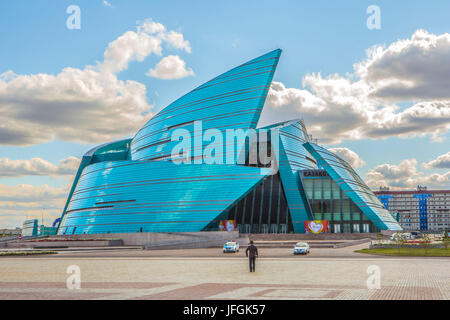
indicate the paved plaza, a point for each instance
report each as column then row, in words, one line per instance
column 209, row 274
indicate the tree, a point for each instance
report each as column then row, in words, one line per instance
column 379, row 237
column 400, row 239
column 426, row 240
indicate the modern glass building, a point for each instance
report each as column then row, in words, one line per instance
column 202, row 159
column 30, row 228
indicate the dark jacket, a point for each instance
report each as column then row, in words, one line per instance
column 251, row 251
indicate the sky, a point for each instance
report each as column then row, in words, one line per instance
column 370, row 85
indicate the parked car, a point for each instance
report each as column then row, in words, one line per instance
column 231, row 246
column 416, row 235
column 301, row 248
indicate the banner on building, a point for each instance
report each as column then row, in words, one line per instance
column 227, row 225
column 316, row 226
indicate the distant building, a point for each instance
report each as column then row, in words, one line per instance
column 420, row 209
column 30, row 228
column 10, row 232
column 46, row 231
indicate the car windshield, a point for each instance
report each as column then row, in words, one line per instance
column 300, row 245
column 230, row 244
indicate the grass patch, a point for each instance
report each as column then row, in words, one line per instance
column 25, row 253
column 410, row 252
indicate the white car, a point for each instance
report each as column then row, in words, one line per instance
column 301, row 248
column 231, row 246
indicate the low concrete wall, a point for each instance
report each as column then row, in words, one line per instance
column 153, row 240
column 198, row 243
column 63, row 244
column 303, row 236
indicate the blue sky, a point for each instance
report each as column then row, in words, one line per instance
column 316, row 37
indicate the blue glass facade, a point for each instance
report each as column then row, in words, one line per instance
column 423, row 210
column 293, row 157
column 233, row 100
column 136, row 185
column 354, row 187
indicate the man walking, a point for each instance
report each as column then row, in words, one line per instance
column 251, row 253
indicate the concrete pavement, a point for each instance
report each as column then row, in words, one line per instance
column 209, row 274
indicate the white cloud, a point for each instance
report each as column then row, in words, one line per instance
column 33, row 193
column 405, row 176
column 170, row 67
column 75, row 105
column 37, row 167
column 40, row 201
column 363, row 105
column 350, row 156
column 107, row 4
column 87, row 105
column 441, row 162
column 176, row 40
column 411, row 69
column 131, row 46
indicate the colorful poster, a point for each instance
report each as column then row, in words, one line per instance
column 227, row 225
column 316, row 226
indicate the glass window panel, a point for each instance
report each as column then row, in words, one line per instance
column 366, row 228
column 346, row 206
column 317, row 206
column 354, row 207
column 266, row 202
column 326, row 206
column 257, row 202
column 283, row 210
column 336, row 207
column 346, row 228
column 336, row 191
column 275, row 190
column 337, row 228
column 248, row 208
column 237, row 212
column 308, row 183
column 326, row 185
column 317, row 188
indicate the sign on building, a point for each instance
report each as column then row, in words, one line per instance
column 227, row 225
column 316, row 226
